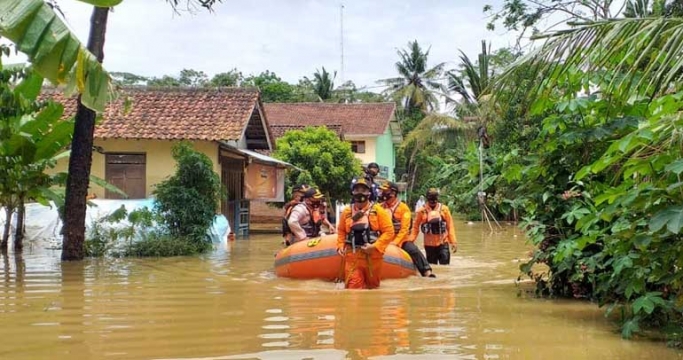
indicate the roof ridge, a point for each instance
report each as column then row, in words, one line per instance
column 189, row 89
column 331, row 104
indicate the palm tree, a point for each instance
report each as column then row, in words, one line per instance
column 417, row 85
column 472, row 84
column 323, row 85
column 643, row 53
column 473, row 81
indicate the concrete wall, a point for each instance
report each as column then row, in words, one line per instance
column 370, row 148
column 386, row 153
column 160, row 163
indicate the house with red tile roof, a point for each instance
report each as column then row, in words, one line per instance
column 133, row 143
column 371, row 128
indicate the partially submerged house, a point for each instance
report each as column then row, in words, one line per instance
column 371, row 128
column 133, row 146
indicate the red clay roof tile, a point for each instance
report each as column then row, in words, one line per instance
column 355, row 119
column 174, row 113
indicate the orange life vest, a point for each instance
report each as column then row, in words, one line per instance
column 435, row 223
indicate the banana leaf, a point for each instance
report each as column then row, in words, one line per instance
column 55, row 52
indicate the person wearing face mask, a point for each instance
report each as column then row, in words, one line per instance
column 370, row 173
column 435, row 221
column 304, row 221
column 364, row 231
column 402, row 221
column 297, row 197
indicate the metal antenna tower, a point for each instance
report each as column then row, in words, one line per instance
column 341, row 16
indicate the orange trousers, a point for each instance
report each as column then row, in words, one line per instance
column 362, row 271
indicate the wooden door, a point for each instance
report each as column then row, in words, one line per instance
column 128, row 173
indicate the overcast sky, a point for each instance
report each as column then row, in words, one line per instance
column 290, row 37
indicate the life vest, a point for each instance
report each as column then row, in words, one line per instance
column 396, row 222
column 312, row 228
column 435, row 223
column 285, row 226
column 360, row 232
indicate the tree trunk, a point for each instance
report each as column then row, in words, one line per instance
column 81, row 153
column 19, row 233
column 6, row 229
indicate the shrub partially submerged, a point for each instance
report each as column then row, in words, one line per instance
column 184, row 210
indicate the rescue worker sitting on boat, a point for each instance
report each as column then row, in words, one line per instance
column 297, row 197
column 364, row 231
column 435, row 222
column 304, row 221
column 401, row 218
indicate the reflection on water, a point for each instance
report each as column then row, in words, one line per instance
column 228, row 305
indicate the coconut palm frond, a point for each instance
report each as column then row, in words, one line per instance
column 643, row 54
column 435, row 128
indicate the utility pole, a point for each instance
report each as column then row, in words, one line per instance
column 341, row 16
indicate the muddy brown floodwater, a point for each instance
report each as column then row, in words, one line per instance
column 229, row 305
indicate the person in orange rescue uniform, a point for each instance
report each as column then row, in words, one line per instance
column 435, row 221
column 401, row 218
column 364, row 231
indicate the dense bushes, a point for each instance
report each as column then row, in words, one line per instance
column 598, row 190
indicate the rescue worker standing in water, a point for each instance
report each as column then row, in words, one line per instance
column 402, row 220
column 364, row 231
column 304, row 221
column 435, row 222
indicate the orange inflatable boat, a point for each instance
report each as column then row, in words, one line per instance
column 318, row 259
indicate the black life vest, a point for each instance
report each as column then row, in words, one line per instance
column 361, row 233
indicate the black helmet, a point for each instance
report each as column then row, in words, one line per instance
column 432, row 193
column 360, row 181
column 300, row 187
column 313, row 193
column 388, row 185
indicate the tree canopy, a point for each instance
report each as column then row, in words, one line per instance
column 319, row 151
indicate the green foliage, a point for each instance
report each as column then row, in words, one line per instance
column 328, row 160
column 54, row 51
column 416, row 86
column 185, row 208
column 187, row 201
column 128, row 79
column 226, row 79
column 273, row 89
column 323, row 84
column 599, row 188
column 32, row 138
column 109, row 237
column 159, row 245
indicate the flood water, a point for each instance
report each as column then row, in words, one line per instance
column 229, row 305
